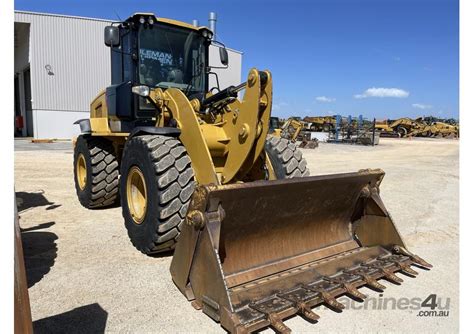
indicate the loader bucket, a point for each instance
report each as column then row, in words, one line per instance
column 253, row 254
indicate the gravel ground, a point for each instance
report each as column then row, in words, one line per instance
column 84, row 275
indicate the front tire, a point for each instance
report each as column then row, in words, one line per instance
column 96, row 172
column 287, row 161
column 156, row 186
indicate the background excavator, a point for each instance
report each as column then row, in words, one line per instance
column 255, row 239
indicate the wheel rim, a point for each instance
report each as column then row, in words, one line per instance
column 402, row 131
column 136, row 194
column 81, row 171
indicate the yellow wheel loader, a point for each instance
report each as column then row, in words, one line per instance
column 254, row 241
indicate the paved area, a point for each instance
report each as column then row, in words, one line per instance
column 22, row 145
column 85, row 276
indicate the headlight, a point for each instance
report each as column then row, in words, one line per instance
column 141, row 90
column 142, row 19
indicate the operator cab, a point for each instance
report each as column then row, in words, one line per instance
column 156, row 53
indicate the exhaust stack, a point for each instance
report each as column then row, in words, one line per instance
column 212, row 24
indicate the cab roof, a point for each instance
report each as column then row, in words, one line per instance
column 136, row 16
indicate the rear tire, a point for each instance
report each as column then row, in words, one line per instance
column 287, row 161
column 165, row 167
column 96, row 172
column 402, row 131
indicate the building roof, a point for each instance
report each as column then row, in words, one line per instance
column 63, row 15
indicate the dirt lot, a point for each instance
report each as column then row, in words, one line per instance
column 85, row 276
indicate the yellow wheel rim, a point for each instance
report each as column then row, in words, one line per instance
column 136, row 194
column 81, row 171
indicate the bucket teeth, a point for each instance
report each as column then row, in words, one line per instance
column 374, row 284
column 353, row 291
column 408, row 270
column 300, row 298
column 331, row 301
column 349, row 287
column 387, row 274
column 302, row 307
column 370, row 281
column 327, row 298
column 391, row 276
column 421, row 262
column 397, row 260
column 307, row 312
column 278, row 324
column 271, row 307
column 415, row 258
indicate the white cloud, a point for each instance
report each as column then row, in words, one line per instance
column 325, row 99
column 421, row 106
column 383, row 92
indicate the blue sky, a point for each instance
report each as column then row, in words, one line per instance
column 378, row 58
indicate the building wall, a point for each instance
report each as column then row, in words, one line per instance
column 70, row 65
column 232, row 74
column 74, row 50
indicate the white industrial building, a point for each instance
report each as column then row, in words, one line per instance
column 61, row 64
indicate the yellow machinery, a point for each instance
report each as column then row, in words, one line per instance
column 255, row 243
column 321, row 123
column 275, row 129
column 402, row 126
column 406, row 127
column 293, row 130
column 438, row 129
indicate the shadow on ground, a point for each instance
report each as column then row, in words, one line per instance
column 28, row 200
column 91, row 318
column 40, row 251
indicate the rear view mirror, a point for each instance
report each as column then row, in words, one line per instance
column 224, row 56
column 111, row 36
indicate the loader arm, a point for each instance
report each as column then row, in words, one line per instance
column 227, row 149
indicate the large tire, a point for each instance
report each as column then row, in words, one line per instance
column 96, row 172
column 327, row 127
column 287, row 161
column 402, row 131
column 169, row 183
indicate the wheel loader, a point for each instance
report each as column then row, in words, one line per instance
column 256, row 240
